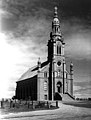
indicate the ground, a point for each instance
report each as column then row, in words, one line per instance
column 66, row 111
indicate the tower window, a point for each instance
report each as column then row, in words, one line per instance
column 66, row 75
column 45, row 74
column 57, row 29
column 45, row 85
column 58, row 49
column 56, row 73
column 45, row 97
column 59, row 73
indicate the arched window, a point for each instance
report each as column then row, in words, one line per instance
column 59, row 49
column 55, row 30
column 66, row 75
column 58, row 30
column 45, row 74
column 45, row 96
column 59, row 73
column 56, row 74
column 45, row 85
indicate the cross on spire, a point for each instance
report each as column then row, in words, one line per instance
column 55, row 12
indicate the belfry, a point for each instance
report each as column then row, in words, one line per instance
column 48, row 80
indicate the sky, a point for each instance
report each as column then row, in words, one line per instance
column 25, row 27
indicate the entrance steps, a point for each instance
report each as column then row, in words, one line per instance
column 67, row 97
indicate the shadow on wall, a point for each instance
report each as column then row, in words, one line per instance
column 57, row 96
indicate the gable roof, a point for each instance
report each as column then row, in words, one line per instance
column 32, row 71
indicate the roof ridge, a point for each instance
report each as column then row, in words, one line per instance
column 32, row 71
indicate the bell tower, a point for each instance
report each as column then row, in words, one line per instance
column 56, row 43
column 56, row 58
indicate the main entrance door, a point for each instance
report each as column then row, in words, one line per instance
column 59, row 87
column 57, row 95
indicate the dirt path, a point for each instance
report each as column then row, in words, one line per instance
column 65, row 112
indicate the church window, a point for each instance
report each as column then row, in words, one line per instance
column 45, row 85
column 55, row 29
column 59, row 73
column 45, row 97
column 59, row 63
column 66, row 76
column 45, row 74
column 56, row 73
column 58, row 30
column 58, row 49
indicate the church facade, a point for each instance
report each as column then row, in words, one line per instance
column 49, row 80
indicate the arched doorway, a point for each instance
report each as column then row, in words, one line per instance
column 59, row 87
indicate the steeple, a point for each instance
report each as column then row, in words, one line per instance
column 55, row 24
column 55, row 12
column 56, row 42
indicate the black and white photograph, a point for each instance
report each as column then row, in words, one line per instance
column 45, row 59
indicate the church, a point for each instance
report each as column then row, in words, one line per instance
column 48, row 80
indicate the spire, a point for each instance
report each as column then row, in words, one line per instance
column 55, row 19
column 56, row 24
column 55, row 12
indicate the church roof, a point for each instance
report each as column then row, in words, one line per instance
column 32, row 71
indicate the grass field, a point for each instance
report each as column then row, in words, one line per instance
column 25, row 107
column 84, row 104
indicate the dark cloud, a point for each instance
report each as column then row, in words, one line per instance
column 78, row 11
column 32, row 18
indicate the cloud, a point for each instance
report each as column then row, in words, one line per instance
column 82, row 84
column 79, row 45
column 82, row 89
column 12, row 56
column 83, row 92
column 16, row 58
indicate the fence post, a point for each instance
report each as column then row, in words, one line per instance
column 56, row 103
column 28, row 104
column 2, row 103
column 33, row 106
column 10, row 103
